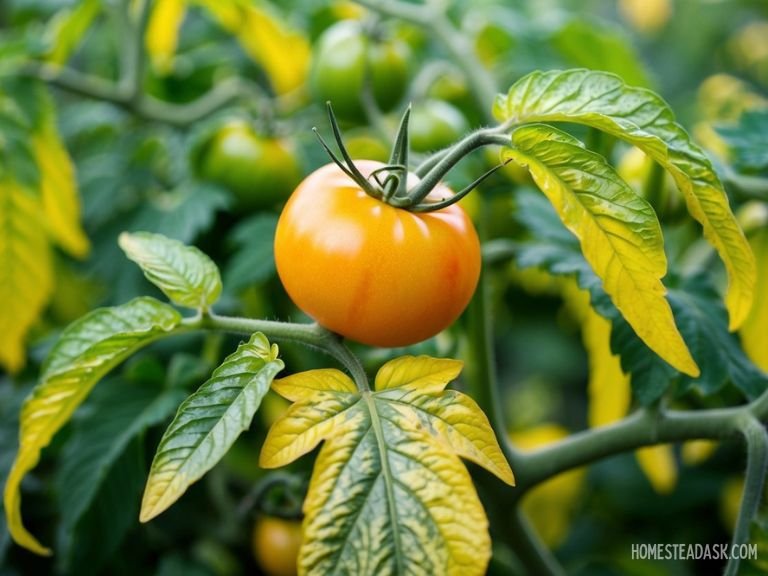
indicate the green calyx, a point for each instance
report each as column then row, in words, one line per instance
column 390, row 182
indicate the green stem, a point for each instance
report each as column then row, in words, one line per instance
column 312, row 335
column 134, row 62
column 642, row 428
column 757, row 460
column 530, row 549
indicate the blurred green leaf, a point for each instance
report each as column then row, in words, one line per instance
column 600, row 46
column 253, row 260
column 748, row 141
column 67, row 28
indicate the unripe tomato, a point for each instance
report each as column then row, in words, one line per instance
column 376, row 274
column 344, row 59
column 435, row 124
column 260, row 171
column 276, row 544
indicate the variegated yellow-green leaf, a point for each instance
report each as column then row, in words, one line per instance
column 754, row 332
column 282, row 52
column 388, row 494
column 26, row 278
column 162, row 35
column 639, row 116
column 208, row 423
column 58, row 186
column 86, row 351
column 184, row 274
column 618, row 231
column 68, row 29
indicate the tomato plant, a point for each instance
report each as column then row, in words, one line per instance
column 401, row 287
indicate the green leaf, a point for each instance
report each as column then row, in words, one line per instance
column 642, row 118
column 122, row 412
column 86, row 351
column 208, row 423
column 618, row 231
column 254, row 259
column 388, row 494
column 600, row 46
column 748, row 141
column 184, row 274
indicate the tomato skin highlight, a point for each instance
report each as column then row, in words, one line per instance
column 376, row 274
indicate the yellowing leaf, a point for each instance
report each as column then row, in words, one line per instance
column 427, row 375
column 162, row 35
column 697, row 451
column 618, row 231
column 658, row 464
column 283, row 53
column 86, row 351
column 388, row 494
column 642, row 118
column 58, row 185
column 208, row 423
column 228, row 13
column 608, row 387
column 68, row 28
column 26, row 278
column 754, row 332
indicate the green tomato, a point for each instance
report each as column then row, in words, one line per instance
column 435, row 124
column 342, row 61
column 260, row 171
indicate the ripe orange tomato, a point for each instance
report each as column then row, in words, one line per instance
column 376, row 274
column 276, row 544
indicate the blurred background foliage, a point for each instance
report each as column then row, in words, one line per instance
column 206, row 152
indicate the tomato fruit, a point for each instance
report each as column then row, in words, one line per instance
column 276, row 544
column 260, row 171
column 376, row 274
column 344, row 58
column 435, row 124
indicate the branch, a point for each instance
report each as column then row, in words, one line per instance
column 143, row 106
column 642, row 428
column 531, row 551
column 757, row 460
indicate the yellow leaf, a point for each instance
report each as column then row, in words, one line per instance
column 697, row 451
column 618, row 232
column 304, row 425
column 551, row 505
column 422, row 373
column 307, row 385
column 282, row 52
column 61, row 204
column 228, row 13
column 658, row 464
column 754, row 332
column 162, row 35
column 26, row 278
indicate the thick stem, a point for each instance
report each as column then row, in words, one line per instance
column 531, row 551
column 757, row 460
